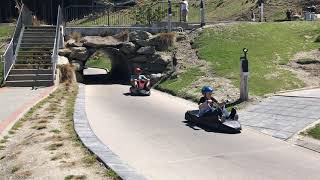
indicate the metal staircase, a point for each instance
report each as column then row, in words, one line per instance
column 31, row 57
column 33, row 65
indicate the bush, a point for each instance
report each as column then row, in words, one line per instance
column 164, row 41
column 317, row 39
column 76, row 36
column 67, row 74
column 147, row 13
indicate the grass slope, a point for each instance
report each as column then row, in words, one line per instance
column 101, row 62
column 269, row 44
column 5, row 32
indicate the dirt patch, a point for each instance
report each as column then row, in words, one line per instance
column 306, row 65
column 45, row 146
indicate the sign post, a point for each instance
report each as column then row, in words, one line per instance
column 169, row 15
column 202, row 13
column 244, row 73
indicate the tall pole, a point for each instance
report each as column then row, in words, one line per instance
column 169, row 15
column 202, row 14
column 261, row 3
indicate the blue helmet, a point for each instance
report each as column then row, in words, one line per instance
column 207, row 89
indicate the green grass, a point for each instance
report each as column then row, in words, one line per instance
column 5, row 33
column 269, row 44
column 314, row 132
column 101, row 62
column 176, row 86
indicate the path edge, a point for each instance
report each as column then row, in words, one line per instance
column 95, row 145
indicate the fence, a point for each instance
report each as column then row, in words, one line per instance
column 79, row 15
column 25, row 18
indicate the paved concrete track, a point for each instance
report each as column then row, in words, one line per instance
column 151, row 135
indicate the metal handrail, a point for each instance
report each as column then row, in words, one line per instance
column 9, row 56
column 57, row 42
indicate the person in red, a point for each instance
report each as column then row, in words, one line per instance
column 139, row 77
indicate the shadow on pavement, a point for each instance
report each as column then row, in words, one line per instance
column 197, row 127
column 97, row 79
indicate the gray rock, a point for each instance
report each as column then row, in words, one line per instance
column 65, row 52
column 62, row 60
column 79, row 76
column 99, row 42
column 144, row 35
column 161, row 58
column 149, row 50
column 78, row 65
column 155, row 77
column 139, row 59
column 128, row 48
column 73, row 43
column 79, row 53
column 182, row 36
column 142, row 42
column 139, row 35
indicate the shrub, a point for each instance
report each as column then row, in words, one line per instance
column 67, row 74
column 76, row 36
column 147, row 13
column 164, row 41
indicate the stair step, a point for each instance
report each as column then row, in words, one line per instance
column 37, row 40
column 35, row 48
column 22, row 77
column 32, row 66
column 38, row 44
column 34, row 61
column 30, row 71
column 40, row 27
column 34, row 52
column 29, row 83
column 33, row 57
column 39, row 37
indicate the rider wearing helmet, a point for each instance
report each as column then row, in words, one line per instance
column 138, row 76
column 209, row 106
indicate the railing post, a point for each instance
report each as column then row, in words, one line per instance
column 202, row 13
column 244, row 73
column 169, row 16
column 108, row 16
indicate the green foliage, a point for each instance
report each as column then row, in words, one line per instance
column 314, row 132
column 148, row 13
column 269, row 47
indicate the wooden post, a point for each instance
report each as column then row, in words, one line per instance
column 244, row 73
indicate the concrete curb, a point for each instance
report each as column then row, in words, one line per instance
column 94, row 145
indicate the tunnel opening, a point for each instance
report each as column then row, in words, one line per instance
column 115, row 64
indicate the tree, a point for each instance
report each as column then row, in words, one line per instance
column 148, row 13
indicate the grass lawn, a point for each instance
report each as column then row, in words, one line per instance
column 314, row 132
column 5, row 33
column 269, row 44
column 176, row 86
column 100, row 62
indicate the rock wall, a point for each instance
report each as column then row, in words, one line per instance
column 126, row 51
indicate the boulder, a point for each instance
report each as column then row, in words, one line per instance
column 154, row 67
column 161, row 58
column 149, row 50
column 79, row 53
column 139, row 59
column 142, row 43
column 128, row 48
column 154, row 78
column 99, row 42
column 78, row 65
column 62, row 60
column 181, row 36
column 73, row 43
column 139, row 35
column 65, row 52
